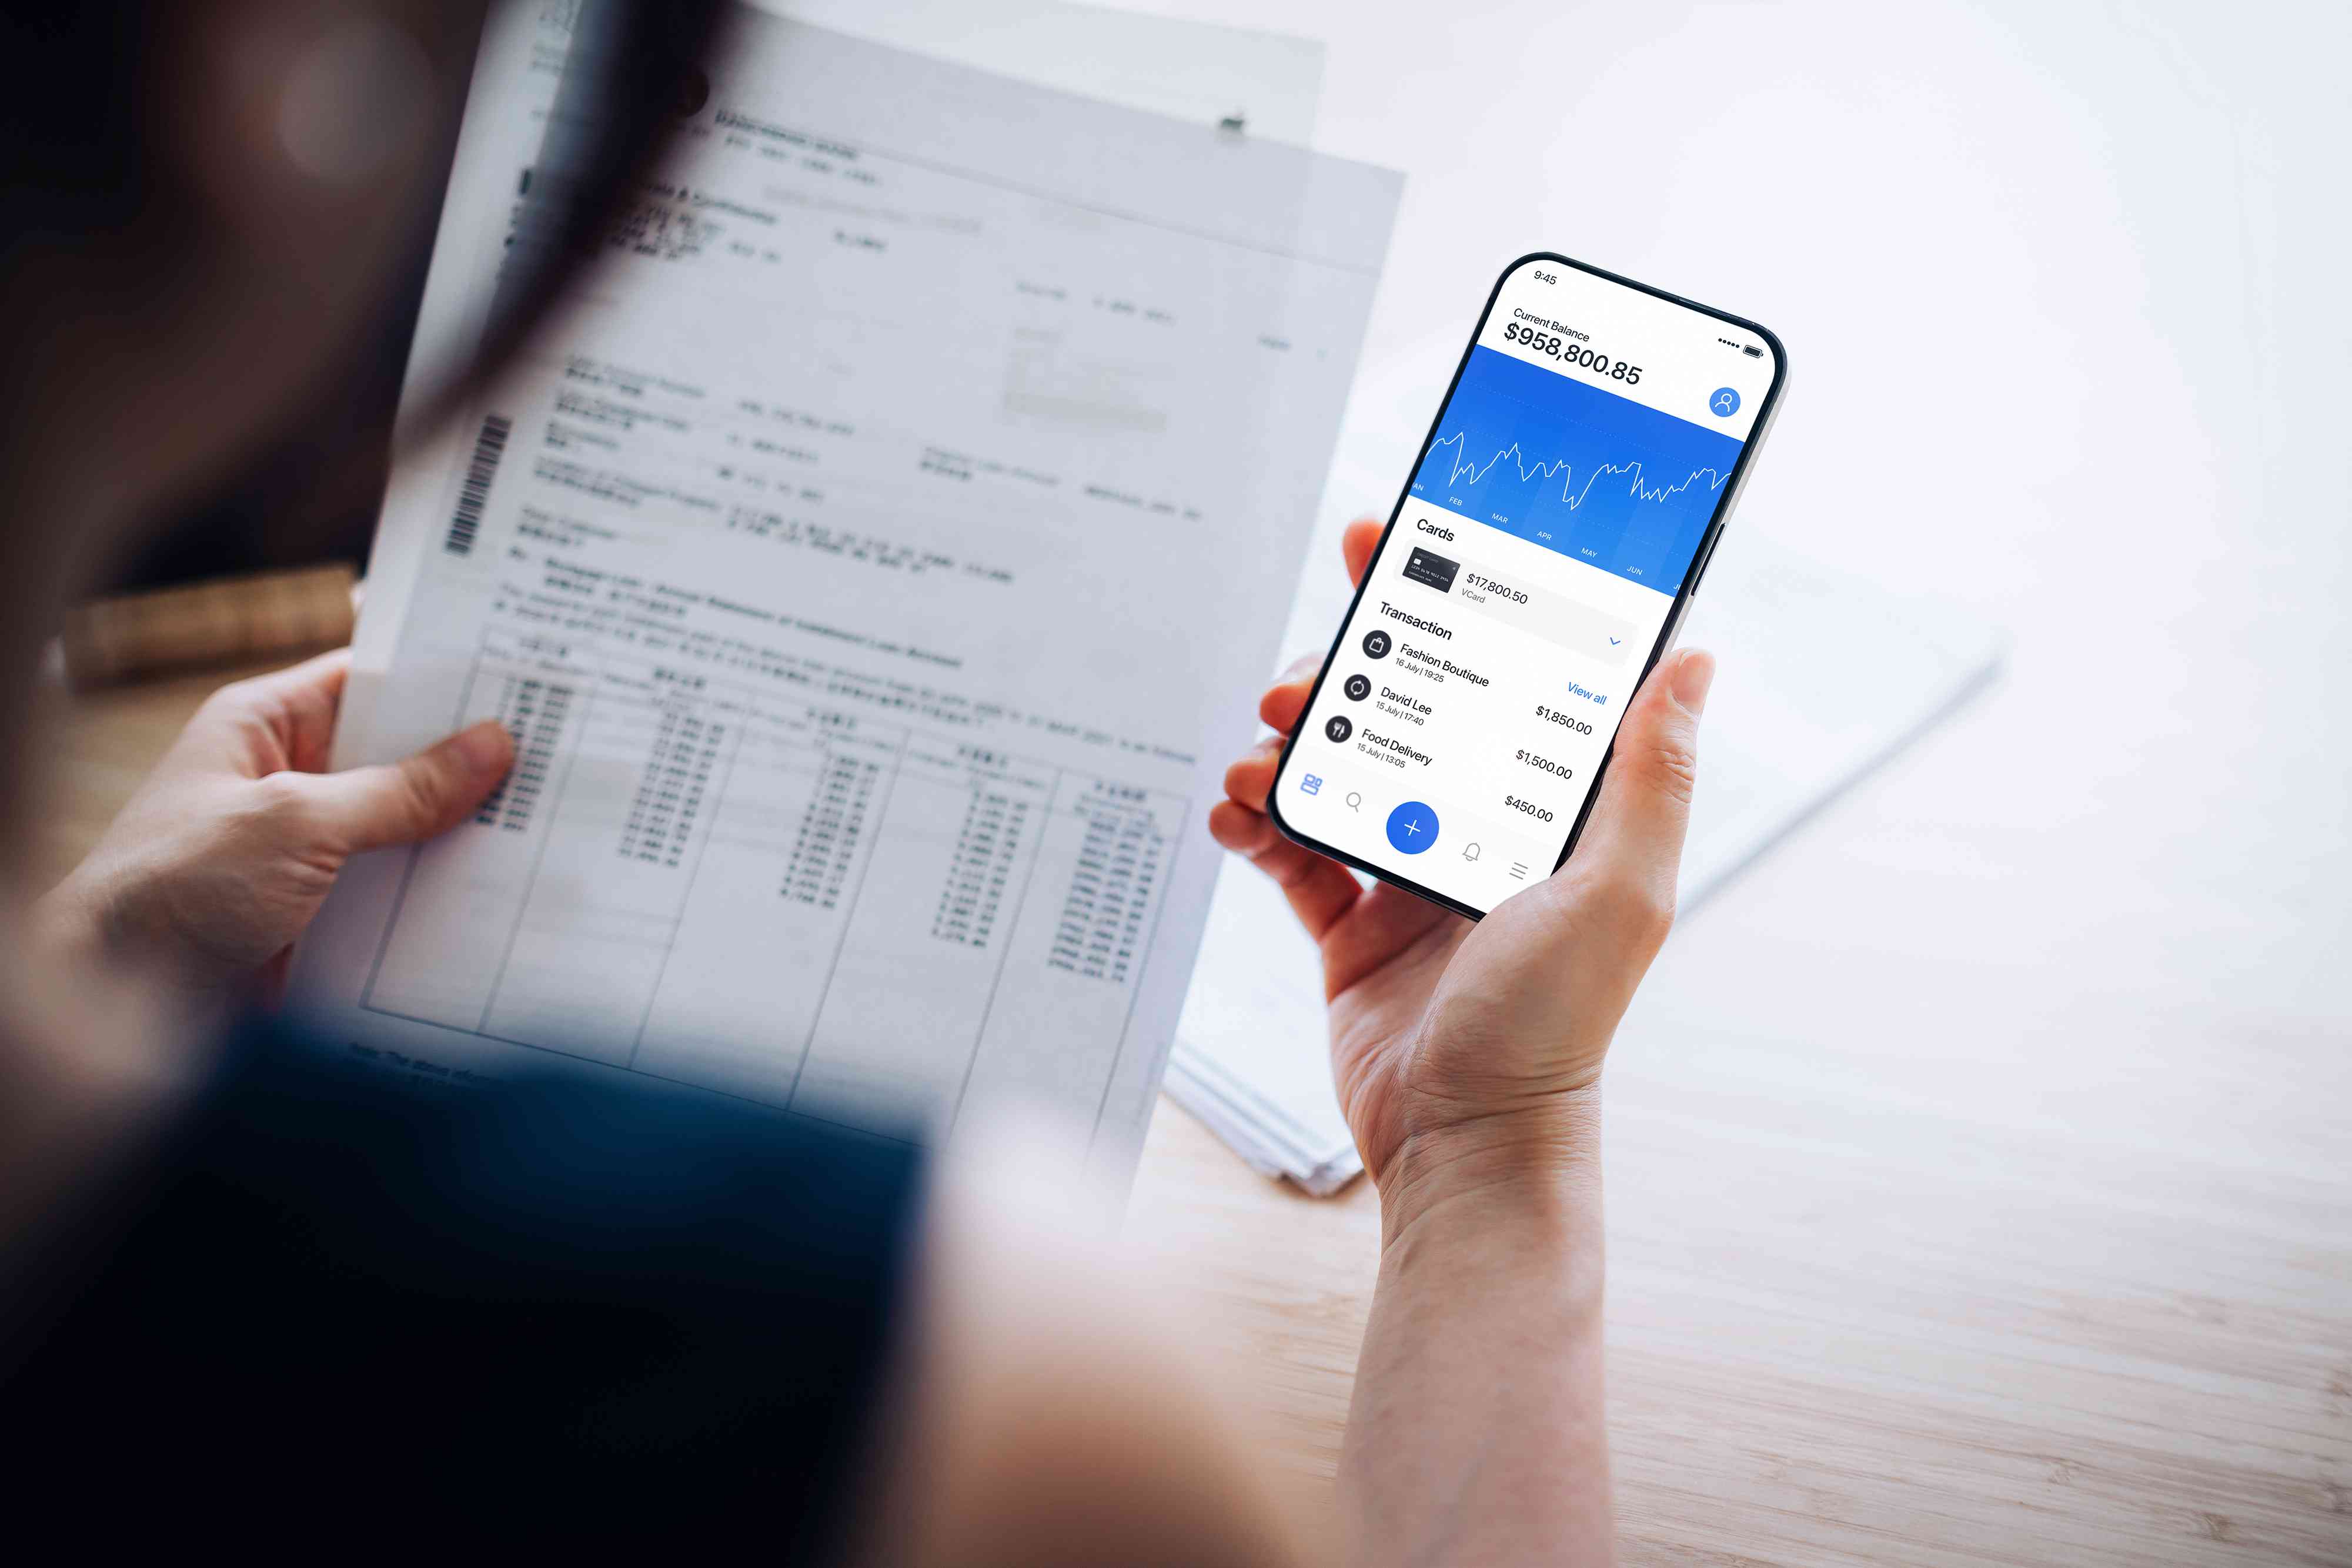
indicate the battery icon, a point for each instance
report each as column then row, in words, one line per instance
column 1752, row 352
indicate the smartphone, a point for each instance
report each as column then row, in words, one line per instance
column 1556, row 525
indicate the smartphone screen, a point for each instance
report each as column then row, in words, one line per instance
column 1557, row 522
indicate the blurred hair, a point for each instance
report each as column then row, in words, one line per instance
column 205, row 338
column 90, row 166
column 72, row 124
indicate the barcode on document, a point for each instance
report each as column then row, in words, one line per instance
column 466, row 521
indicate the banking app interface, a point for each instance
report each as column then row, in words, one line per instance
column 1568, row 483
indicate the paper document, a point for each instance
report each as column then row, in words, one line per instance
column 877, row 570
column 1194, row 70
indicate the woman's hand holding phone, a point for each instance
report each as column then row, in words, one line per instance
column 1467, row 1053
column 1468, row 1061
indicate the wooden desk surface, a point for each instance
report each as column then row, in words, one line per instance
column 2076, row 1289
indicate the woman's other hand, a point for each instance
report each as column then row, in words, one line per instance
column 229, row 848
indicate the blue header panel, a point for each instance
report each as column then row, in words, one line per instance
column 1566, row 466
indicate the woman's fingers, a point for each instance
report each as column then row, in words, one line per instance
column 1248, row 780
column 1320, row 891
column 283, row 719
column 1356, row 545
column 1285, row 701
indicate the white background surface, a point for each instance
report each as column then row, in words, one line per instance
column 2064, row 290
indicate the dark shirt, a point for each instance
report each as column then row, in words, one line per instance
column 338, row 1311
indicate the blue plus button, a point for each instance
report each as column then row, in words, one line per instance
column 1413, row 827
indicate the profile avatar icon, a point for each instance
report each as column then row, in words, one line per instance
column 1725, row 403
column 1338, row 729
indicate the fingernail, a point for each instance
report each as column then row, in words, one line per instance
column 1694, row 673
column 485, row 747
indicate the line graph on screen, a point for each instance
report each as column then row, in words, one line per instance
column 1571, row 494
column 1575, row 469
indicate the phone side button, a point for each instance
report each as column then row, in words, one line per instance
column 1704, row 562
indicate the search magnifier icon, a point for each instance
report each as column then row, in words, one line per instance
column 1355, row 802
column 1470, row 851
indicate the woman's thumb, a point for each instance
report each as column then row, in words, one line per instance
column 1636, row 837
column 419, row 796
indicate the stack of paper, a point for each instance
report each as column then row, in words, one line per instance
column 1823, row 677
